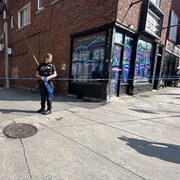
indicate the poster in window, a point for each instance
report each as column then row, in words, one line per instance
column 115, row 70
column 126, row 59
column 143, row 62
column 88, row 57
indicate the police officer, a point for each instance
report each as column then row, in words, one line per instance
column 47, row 71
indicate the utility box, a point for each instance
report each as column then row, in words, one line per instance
column 2, row 36
column 1, row 47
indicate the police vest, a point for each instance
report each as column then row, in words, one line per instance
column 46, row 69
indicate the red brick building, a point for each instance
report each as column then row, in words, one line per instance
column 175, row 7
column 105, row 48
column 172, row 48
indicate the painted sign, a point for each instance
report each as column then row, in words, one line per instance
column 152, row 23
column 152, row 19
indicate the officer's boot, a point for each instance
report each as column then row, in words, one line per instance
column 42, row 110
column 47, row 112
column 49, row 104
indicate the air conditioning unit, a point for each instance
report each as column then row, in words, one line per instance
column 2, row 36
column 1, row 47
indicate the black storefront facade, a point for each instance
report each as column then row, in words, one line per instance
column 171, row 52
column 113, row 60
column 170, row 63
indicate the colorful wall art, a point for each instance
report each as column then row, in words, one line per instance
column 88, row 57
column 143, row 62
column 126, row 59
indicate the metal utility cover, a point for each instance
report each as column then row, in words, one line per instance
column 20, row 130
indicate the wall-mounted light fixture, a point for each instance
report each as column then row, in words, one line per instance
column 130, row 26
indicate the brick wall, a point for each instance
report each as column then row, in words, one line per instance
column 128, row 16
column 50, row 31
column 165, row 7
column 175, row 7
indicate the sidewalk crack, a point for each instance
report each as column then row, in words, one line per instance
column 25, row 158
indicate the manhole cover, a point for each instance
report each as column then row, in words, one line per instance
column 20, row 130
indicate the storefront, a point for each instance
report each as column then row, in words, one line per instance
column 148, row 53
column 88, row 64
column 172, row 52
column 116, row 60
column 101, row 63
column 170, row 63
column 106, row 64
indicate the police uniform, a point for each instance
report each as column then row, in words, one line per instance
column 46, row 70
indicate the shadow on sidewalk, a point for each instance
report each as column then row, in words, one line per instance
column 170, row 94
column 176, row 98
column 17, row 95
column 14, row 94
column 166, row 152
column 8, row 111
column 23, row 95
column 143, row 111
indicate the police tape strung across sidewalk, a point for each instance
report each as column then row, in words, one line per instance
column 97, row 79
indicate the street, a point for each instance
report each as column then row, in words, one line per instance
column 130, row 138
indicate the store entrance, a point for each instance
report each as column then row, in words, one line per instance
column 115, row 71
column 120, row 65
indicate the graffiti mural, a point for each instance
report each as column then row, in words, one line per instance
column 143, row 62
column 127, row 59
column 115, row 70
column 87, row 58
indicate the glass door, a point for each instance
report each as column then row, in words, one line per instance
column 115, row 70
column 125, row 66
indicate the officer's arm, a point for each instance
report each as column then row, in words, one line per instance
column 53, row 75
column 38, row 76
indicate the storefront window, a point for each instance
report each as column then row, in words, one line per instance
column 87, row 58
column 126, row 59
column 118, row 38
column 156, row 2
column 143, row 62
column 115, row 69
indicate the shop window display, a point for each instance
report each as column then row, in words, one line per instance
column 115, row 69
column 143, row 62
column 88, row 58
column 126, row 59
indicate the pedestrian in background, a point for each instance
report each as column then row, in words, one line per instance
column 46, row 72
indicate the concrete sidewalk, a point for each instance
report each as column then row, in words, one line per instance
column 131, row 138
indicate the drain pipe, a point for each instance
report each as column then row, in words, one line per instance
column 6, row 45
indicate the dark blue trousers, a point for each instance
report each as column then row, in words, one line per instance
column 45, row 96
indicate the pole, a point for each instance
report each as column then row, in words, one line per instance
column 171, row 26
column 6, row 46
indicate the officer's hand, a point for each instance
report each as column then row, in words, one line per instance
column 47, row 79
column 42, row 78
